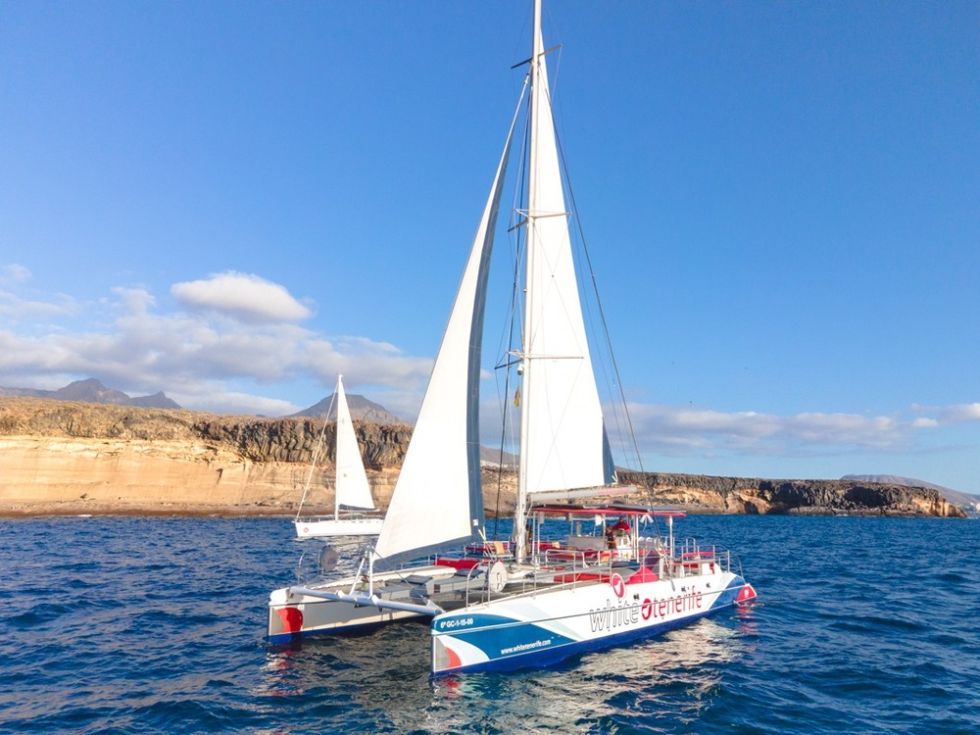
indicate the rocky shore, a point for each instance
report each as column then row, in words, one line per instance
column 79, row 458
column 803, row 497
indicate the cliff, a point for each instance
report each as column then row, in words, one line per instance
column 70, row 457
column 813, row 497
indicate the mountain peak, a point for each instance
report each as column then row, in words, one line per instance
column 361, row 409
column 157, row 400
column 92, row 391
column 93, row 383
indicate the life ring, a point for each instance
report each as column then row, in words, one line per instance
column 618, row 585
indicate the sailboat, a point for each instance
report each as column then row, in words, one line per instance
column 570, row 604
column 351, row 487
column 537, row 599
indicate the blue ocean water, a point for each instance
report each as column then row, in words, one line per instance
column 131, row 625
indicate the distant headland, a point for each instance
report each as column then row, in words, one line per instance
column 61, row 456
column 91, row 390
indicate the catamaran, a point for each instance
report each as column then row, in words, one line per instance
column 540, row 597
column 351, row 487
column 576, row 598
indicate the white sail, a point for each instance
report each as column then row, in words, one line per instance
column 352, row 488
column 438, row 499
column 563, row 438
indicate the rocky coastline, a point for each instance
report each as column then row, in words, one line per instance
column 63, row 457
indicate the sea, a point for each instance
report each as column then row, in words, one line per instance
column 155, row 625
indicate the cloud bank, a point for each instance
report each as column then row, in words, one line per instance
column 230, row 346
column 233, row 344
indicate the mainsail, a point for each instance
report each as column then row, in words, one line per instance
column 352, row 488
column 428, row 508
column 563, row 440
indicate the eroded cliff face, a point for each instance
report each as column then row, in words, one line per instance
column 80, row 457
column 817, row 497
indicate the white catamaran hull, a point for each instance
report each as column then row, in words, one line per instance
column 327, row 527
column 300, row 611
column 542, row 628
column 297, row 616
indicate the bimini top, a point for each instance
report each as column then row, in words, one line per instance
column 608, row 510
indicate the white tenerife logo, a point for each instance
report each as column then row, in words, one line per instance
column 625, row 612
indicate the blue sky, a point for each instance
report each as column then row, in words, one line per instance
column 232, row 202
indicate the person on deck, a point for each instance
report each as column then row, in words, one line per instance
column 616, row 531
column 622, row 525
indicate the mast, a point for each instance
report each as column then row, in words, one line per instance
column 338, row 396
column 563, row 442
column 520, row 531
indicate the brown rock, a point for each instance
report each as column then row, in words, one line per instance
column 62, row 456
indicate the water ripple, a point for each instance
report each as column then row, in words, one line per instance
column 126, row 625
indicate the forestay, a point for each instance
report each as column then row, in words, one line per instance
column 429, row 508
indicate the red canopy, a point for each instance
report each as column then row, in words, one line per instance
column 607, row 510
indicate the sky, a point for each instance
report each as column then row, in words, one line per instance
column 233, row 202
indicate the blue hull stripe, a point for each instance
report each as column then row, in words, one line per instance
column 560, row 650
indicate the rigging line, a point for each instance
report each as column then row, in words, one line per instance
column 504, row 345
column 507, row 374
column 503, row 411
column 514, row 310
column 316, row 455
column 602, row 314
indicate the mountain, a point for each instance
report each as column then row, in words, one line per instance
column 157, row 400
column 90, row 391
column 93, row 391
column 953, row 496
column 361, row 409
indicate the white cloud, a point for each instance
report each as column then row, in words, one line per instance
column 956, row 413
column 673, row 430
column 135, row 300
column 197, row 357
column 217, row 400
column 242, row 296
column 365, row 362
column 209, row 362
column 17, row 308
column 961, row 412
column 14, row 273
